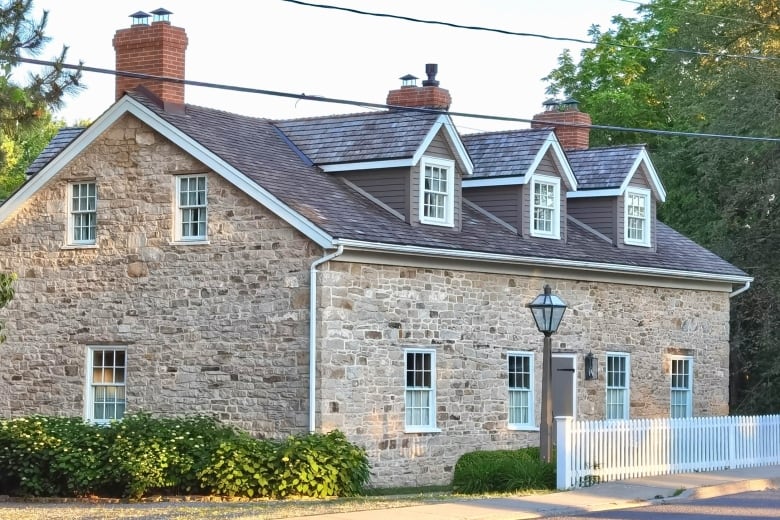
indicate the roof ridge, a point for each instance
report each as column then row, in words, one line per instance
column 511, row 131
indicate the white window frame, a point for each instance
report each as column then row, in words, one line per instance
column 516, row 393
column 612, row 389
column 644, row 195
column 117, row 385
column 555, row 225
column 448, row 193
column 681, row 395
column 74, row 214
column 182, row 209
column 416, row 394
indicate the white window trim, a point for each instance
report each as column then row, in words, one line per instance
column 689, row 403
column 627, row 403
column 431, row 426
column 71, row 242
column 89, row 407
column 556, row 220
column 531, row 424
column 645, row 194
column 177, row 221
column 449, row 207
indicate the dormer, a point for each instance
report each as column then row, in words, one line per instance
column 618, row 194
column 409, row 160
column 520, row 179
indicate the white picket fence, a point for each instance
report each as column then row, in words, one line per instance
column 589, row 452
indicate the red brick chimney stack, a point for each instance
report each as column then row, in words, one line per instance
column 430, row 95
column 567, row 111
column 158, row 50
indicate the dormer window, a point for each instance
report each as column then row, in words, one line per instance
column 437, row 186
column 637, row 217
column 546, row 207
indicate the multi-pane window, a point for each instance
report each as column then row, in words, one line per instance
column 520, row 376
column 545, row 207
column 420, row 390
column 637, row 217
column 83, row 213
column 191, row 200
column 618, row 373
column 436, row 193
column 682, row 387
column 106, row 380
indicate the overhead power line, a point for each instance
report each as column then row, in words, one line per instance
column 366, row 104
column 535, row 35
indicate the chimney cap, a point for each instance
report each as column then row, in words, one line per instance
column 561, row 105
column 140, row 18
column 430, row 70
column 408, row 80
column 162, row 15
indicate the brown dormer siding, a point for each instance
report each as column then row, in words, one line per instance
column 598, row 212
column 504, row 202
column 389, row 185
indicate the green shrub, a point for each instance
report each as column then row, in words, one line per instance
column 141, row 455
column 502, row 471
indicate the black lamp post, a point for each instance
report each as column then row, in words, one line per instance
column 547, row 310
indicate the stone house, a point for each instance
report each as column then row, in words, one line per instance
column 367, row 272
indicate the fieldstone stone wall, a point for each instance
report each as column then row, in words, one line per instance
column 371, row 313
column 218, row 328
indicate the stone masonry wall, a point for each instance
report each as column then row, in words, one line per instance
column 216, row 329
column 372, row 312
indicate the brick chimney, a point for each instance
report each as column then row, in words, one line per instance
column 430, row 95
column 567, row 111
column 158, row 50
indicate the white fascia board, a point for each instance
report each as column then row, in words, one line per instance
column 494, row 181
column 367, row 165
column 552, row 143
column 462, row 156
column 655, row 181
column 179, row 138
column 611, row 192
column 551, row 262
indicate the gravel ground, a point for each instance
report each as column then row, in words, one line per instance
column 200, row 510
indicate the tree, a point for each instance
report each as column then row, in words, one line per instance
column 721, row 192
column 25, row 119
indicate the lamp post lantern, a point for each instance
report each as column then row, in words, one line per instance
column 547, row 310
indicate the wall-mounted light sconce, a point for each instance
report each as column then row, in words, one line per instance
column 591, row 367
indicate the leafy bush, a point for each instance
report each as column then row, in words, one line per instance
column 502, row 471
column 142, row 455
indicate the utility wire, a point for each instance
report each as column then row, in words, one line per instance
column 365, row 104
column 534, row 35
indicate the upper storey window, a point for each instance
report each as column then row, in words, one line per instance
column 637, row 217
column 191, row 209
column 83, row 214
column 546, row 207
column 437, row 188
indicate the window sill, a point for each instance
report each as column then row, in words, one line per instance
column 521, row 428
column 636, row 244
column 422, row 430
column 189, row 242
column 79, row 246
column 440, row 223
column 541, row 235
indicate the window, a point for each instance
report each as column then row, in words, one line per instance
column 106, row 370
column 83, row 213
column 191, row 211
column 420, row 390
column 545, row 207
column 637, row 222
column 682, row 387
column 437, row 191
column 521, row 396
column 618, row 372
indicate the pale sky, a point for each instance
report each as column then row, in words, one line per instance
column 275, row 45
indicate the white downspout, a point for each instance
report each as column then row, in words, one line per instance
column 741, row 289
column 313, row 332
